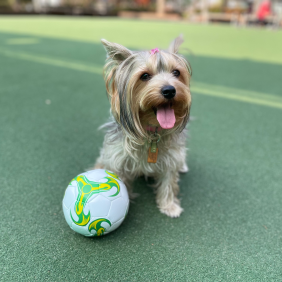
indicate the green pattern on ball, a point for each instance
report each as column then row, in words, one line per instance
column 86, row 189
column 96, row 225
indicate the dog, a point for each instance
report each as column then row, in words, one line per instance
column 149, row 93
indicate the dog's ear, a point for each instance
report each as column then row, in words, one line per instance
column 175, row 44
column 116, row 51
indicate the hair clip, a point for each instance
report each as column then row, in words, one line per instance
column 154, row 51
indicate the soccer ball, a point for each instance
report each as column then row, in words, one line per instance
column 95, row 203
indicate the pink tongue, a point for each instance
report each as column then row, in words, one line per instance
column 166, row 117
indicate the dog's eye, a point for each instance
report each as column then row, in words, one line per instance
column 176, row 73
column 145, row 77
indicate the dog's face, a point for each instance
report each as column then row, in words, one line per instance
column 148, row 88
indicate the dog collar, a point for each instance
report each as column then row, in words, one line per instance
column 153, row 128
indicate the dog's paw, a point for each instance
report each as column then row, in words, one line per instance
column 172, row 210
column 184, row 168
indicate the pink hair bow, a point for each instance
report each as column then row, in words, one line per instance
column 154, row 51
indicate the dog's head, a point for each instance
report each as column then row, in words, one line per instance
column 148, row 88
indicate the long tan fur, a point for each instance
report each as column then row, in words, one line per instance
column 133, row 102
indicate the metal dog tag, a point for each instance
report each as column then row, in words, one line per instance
column 153, row 152
column 154, row 147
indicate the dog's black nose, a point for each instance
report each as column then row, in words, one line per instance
column 168, row 91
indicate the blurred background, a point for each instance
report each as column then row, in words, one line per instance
column 241, row 12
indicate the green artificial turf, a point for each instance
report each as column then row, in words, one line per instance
column 53, row 99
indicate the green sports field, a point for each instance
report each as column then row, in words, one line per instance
column 53, row 99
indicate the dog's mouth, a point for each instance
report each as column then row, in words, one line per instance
column 165, row 116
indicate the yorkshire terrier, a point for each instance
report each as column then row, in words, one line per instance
column 150, row 98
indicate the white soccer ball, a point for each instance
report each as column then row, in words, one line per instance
column 95, row 202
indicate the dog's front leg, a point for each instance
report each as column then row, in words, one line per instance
column 167, row 191
column 128, row 181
